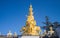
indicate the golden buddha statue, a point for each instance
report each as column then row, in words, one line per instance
column 30, row 28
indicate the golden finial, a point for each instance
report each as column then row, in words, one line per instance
column 30, row 5
column 30, row 10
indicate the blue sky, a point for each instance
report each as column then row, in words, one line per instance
column 13, row 13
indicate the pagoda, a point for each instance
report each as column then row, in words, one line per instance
column 30, row 28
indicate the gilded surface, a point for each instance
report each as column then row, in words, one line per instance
column 30, row 28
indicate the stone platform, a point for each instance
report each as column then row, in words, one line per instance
column 30, row 36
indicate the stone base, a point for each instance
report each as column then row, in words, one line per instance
column 30, row 36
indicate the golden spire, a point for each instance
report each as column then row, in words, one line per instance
column 30, row 10
column 30, row 16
